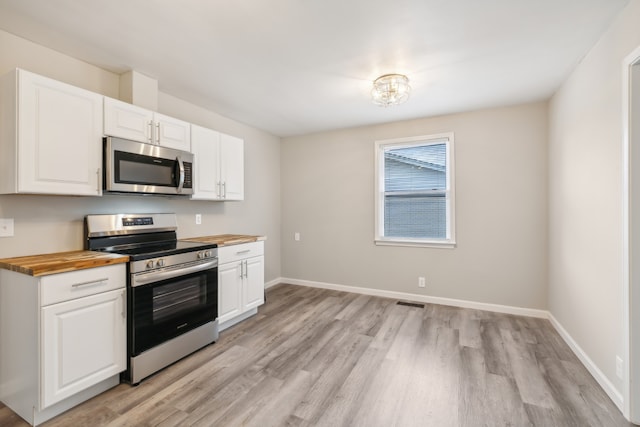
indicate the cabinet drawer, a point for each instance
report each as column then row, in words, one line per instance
column 75, row 284
column 238, row 252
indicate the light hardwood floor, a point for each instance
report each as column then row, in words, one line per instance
column 315, row 357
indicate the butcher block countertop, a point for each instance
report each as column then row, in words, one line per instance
column 226, row 239
column 42, row 265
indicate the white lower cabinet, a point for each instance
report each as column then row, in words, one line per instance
column 229, row 291
column 62, row 338
column 83, row 343
column 240, row 282
column 254, row 283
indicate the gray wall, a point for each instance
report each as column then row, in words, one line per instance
column 501, row 210
column 45, row 224
column 586, row 198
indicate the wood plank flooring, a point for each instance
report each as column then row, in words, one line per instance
column 314, row 357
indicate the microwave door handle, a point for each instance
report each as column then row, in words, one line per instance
column 181, row 180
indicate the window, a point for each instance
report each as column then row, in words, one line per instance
column 415, row 192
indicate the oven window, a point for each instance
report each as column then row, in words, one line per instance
column 160, row 311
column 175, row 298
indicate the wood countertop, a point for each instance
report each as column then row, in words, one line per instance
column 42, row 265
column 226, row 239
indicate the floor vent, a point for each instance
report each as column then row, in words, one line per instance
column 410, row 304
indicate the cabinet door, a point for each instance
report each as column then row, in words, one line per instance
column 59, row 137
column 127, row 121
column 253, row 282
column 205, row 146
column 229, row 291
column 172, row 133
column 232, row 167
column 83, row 342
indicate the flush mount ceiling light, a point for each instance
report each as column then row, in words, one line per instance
column 390, row 89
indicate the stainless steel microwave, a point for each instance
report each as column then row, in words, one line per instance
column 136, row 167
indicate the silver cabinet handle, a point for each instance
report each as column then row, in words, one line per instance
column 91, row 282
column 246, row 269
column 99, row 180
column 158, row 132
column 149, row 130
column 124, row 304
column 243, row 252
column 224, row 189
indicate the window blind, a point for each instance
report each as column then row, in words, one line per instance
column 415, row 191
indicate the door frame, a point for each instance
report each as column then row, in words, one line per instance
column 631, row 236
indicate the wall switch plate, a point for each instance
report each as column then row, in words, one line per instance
column 198, row 219
column 296, row 236
column 619, row 367
column 6, row 227
column 421, row 282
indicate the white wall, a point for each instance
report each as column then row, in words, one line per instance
column 585, row 198
column 45, row 224
column 501, row 210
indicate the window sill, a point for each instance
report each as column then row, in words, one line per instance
column 442, row 244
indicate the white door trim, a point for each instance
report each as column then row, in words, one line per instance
column 631, row 269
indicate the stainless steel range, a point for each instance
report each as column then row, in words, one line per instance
column 172, row 288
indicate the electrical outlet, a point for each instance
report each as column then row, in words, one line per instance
column 421, row 282
column 296, row 236
column 198, row 219
column 619, row 367
column 6, row 227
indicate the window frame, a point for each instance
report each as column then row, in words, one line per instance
column 380, row 146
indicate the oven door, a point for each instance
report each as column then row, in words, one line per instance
column 135, row 167
column 163, row 309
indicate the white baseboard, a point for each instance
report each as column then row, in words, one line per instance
column 521, row 311
column 593, row 369
column 273, row 282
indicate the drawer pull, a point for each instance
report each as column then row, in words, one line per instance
column 92, row 282
column 243, row 252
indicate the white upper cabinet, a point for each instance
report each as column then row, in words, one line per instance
column 232, row 167
column 172, row 133
column 205, row 146
column 129, row 121
column 50, row 137
column 219, row 165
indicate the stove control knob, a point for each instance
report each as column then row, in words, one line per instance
column 160, row 263
column 150, row 264
column 201, row 255
column 208, row 254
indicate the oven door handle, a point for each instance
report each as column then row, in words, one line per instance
column 181, row 180
column 156, row 276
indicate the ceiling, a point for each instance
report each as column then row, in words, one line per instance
column 293, row 67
